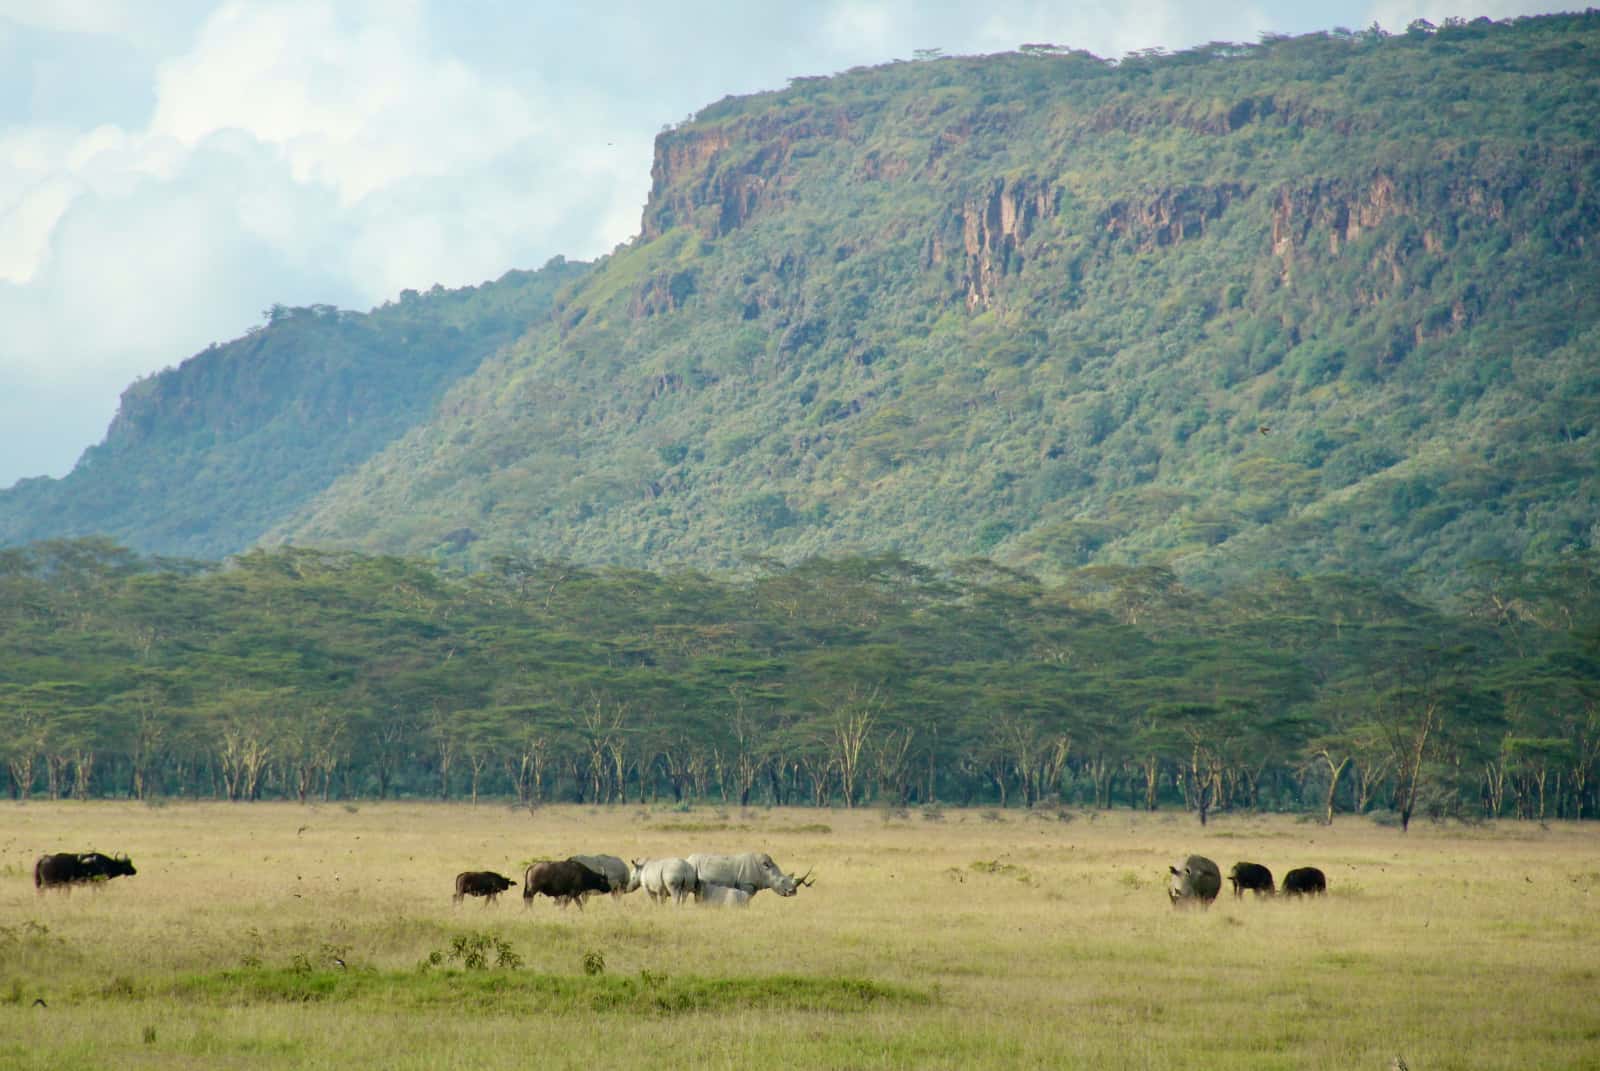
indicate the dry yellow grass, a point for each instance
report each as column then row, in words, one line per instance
column 1454, row 947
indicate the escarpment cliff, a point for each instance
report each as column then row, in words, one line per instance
column 1318, row 303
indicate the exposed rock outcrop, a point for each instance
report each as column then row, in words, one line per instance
column 993, row 225
column 1169, row 216
column 716, row 177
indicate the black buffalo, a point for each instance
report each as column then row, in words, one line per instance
column 564, row 882
column 1252, row 876
column 484, row 883
column 1305, row 881
column 66, row 869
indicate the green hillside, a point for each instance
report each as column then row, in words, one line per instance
column 1326, row 302
column 202, row 458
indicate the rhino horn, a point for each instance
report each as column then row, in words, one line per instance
column 806, row 879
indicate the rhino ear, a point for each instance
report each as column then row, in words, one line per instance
column 1173, row 869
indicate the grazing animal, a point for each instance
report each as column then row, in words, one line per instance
column 663, row 878
column 485, row 883
column 1198, row 882
column 614, row 870
column 1252, row 876
column 1305, row 881
column 565, row 882
column 750, row 871
column 66, row 869
column 723, row 896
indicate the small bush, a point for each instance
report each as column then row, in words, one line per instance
column 472, row 951
column 594, row 963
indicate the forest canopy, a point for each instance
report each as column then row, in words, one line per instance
column 306, row 674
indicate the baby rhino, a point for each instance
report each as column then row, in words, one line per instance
column 1252, row 876
column 1198, row 882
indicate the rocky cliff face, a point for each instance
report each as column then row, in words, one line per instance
column 993, row 225
column 716, row 178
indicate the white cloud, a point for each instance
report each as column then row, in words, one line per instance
column 297, row 152
column 72, row 16
column 355, row 104
column 853, row 26
column 1396, row 15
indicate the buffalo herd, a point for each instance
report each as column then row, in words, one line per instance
column 1199, row 881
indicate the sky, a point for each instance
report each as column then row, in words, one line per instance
column 169, row 170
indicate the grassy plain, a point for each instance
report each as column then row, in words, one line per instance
column 980, row 940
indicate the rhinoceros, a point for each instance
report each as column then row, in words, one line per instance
column 614, row 870
column 722, row 896
column 750, row 871
column 662, row 878
column 1198, row 882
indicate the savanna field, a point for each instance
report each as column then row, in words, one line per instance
column 980, row 939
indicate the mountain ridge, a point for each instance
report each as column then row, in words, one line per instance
column 281, row 410
column 1324, row 303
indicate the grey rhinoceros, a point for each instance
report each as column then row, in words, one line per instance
column 663, row 878
column 750, row 871
column 1198, row 882
column 722, row 896
column 613, row 869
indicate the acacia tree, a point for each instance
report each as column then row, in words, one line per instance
column 23, row 736
column 245, row 738
column 850, row 726
column 600, row 724
column 143, row 720
column 310, row 742
column 1413, row 706
column 751, row 748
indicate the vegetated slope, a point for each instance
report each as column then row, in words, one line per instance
column 203, row 458
column 1327, row 302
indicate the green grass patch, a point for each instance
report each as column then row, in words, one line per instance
column 999, row 869
column 524, row 992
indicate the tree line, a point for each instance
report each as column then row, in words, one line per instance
column 303, row 674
